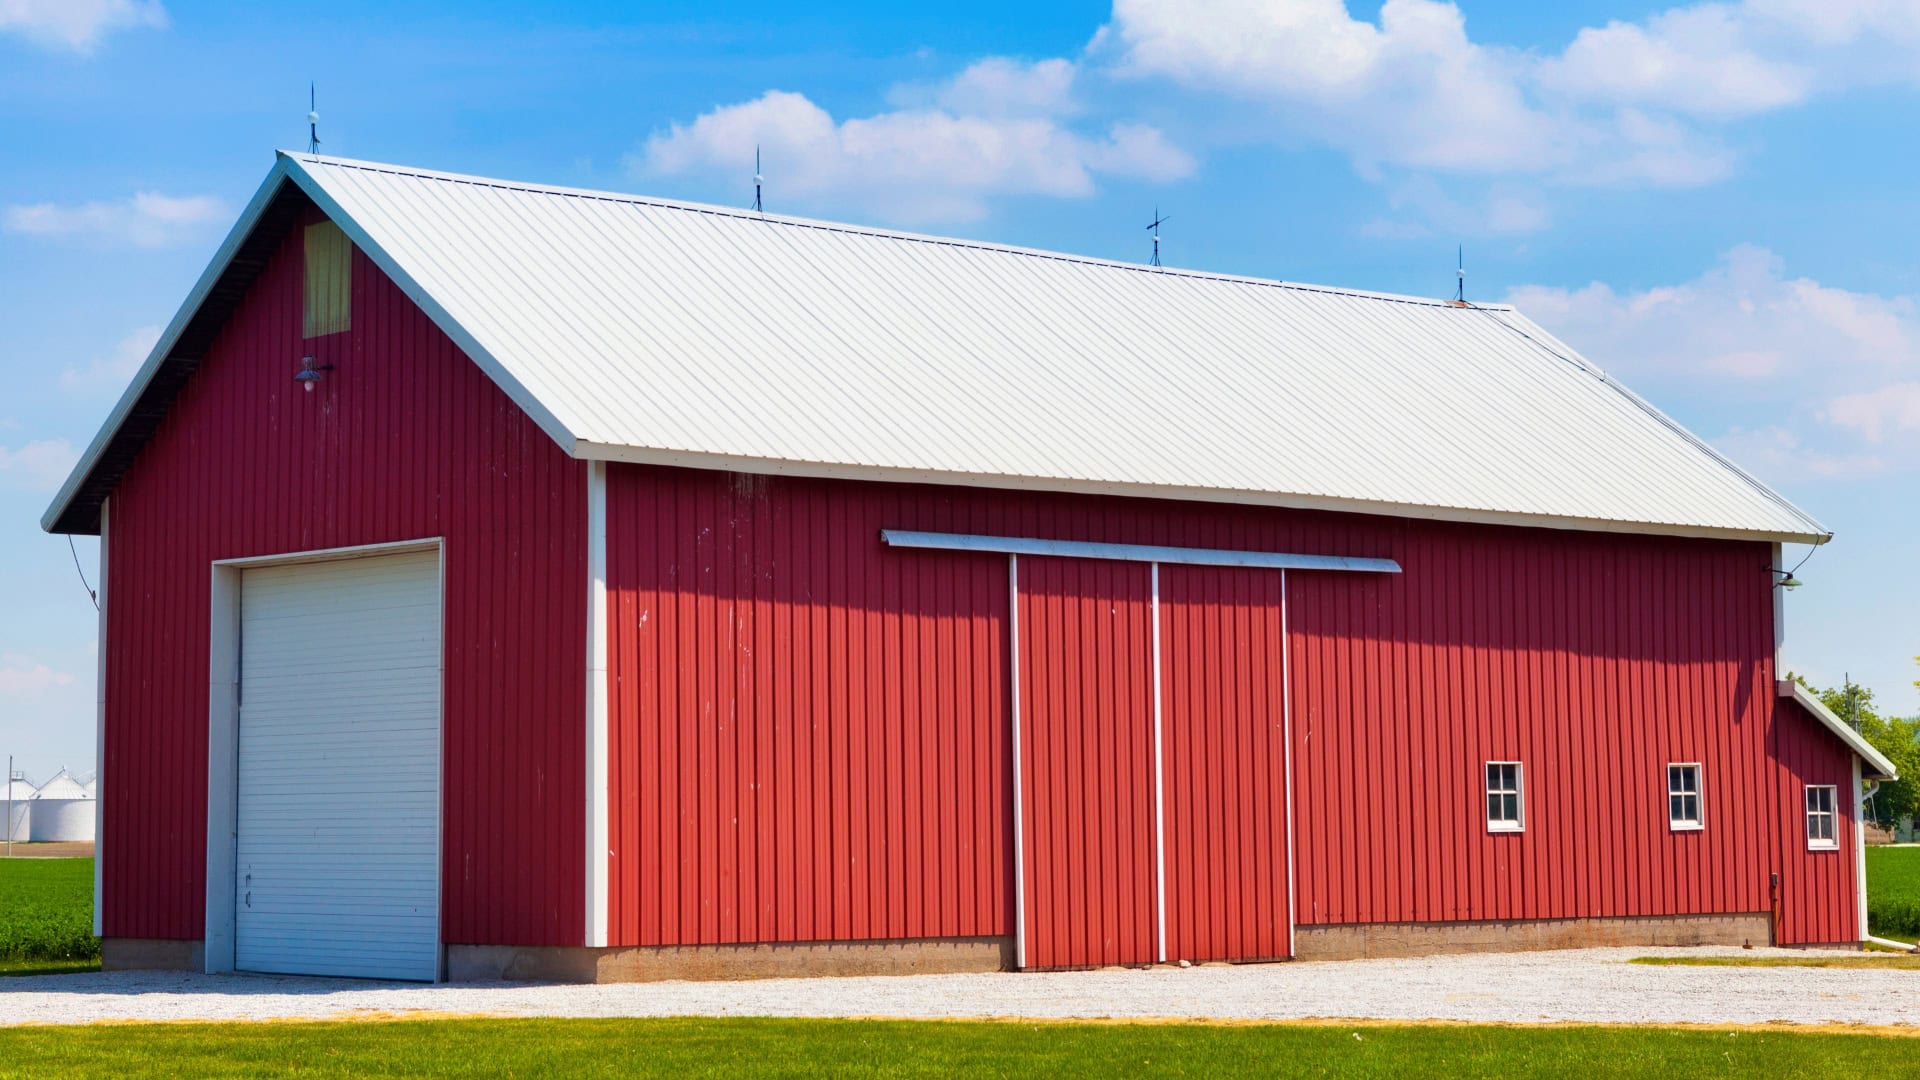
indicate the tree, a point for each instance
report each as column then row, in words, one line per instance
column 1898, row 738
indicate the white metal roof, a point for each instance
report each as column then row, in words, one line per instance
column 1878, row 765
column 644, row 330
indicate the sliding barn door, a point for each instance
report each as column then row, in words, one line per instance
column 1225, row 754
column 1086, row 747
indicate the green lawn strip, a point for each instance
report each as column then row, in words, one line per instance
column 732, row 1047
column 1864, row 960
column 47, row 967
column 46, row 910
column 1893, row 892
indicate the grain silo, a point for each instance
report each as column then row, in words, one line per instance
column 61, row 810
column 19, row 809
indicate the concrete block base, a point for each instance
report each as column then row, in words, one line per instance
column 151, row 954
column 558, row 963
column 1362, row 940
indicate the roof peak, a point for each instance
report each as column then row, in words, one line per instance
column 797, row 221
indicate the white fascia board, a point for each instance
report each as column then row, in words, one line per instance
column 216, row 269
column 827, row 470
column 1879, row 768
column 558, row 431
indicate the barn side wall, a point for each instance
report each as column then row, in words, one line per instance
column 1819, row 898
column 809, row 730
column 403, row 439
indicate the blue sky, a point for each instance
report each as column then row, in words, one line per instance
column 1713, row 200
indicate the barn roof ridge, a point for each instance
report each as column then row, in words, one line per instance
column 684, row 335
column 877, row 232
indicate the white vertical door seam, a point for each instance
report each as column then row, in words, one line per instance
column 1019, row 823
column 1159, row 785
column 1286, row 736
column 596, row 809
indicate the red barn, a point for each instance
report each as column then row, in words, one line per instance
column 510, row 580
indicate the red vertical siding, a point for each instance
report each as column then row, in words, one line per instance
column 808, row 731
column 1086, row 762
column 1819, row 897
column 1223, row 727
column 1596, row 659
column 404, row 439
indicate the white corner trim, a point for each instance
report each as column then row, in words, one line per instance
column 100, row 727
column 1883, row 769
column 1859, row 849
column 597, row 708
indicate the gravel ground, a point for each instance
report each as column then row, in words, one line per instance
column 1594, row 985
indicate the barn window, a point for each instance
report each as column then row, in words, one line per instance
column 1820, row 820
column 329, row 307
column 1506, row 803
column 1683, row 796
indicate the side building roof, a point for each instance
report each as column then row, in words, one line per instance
column 639, row 329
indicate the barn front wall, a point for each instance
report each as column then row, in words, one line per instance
column 401, row 438
column 810, row 731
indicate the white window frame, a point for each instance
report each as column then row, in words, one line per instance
column 1831, row 813
column 1519, row 792
column 1699, row 793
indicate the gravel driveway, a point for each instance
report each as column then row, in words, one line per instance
column 1587, row 985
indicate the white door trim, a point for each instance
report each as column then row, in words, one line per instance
column 223, row 730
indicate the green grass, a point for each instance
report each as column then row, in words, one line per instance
column 1893, row 892
column 1865, row 960
column 46, row 910
column 10, row 968
column 733, row 1047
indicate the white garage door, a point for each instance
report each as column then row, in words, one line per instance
column 337, row 867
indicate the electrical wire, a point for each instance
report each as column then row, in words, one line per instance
column 92, row 596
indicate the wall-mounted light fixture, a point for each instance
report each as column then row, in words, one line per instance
column 309, row 372
column 1787, row 580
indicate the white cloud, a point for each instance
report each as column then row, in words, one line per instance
column 1692, row 60
column 1778, row 456
column 1726, row 59
column 37, row 466
column 1413, row 91
column 998, row 86
column 1806, row 379
column 1424, row 208
column 77, row 24
column 147, row 219
column 996, row 129
column 111, row 371
column 21, row 676
column 1880, row 414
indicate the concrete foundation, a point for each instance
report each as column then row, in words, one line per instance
column 151, row 954
column 467, row 963
column 1363, row 940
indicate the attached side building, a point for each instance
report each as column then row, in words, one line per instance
column 511, row 580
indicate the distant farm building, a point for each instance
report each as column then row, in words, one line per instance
column 20, row 810
column 63, row 810
column 501, row 579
